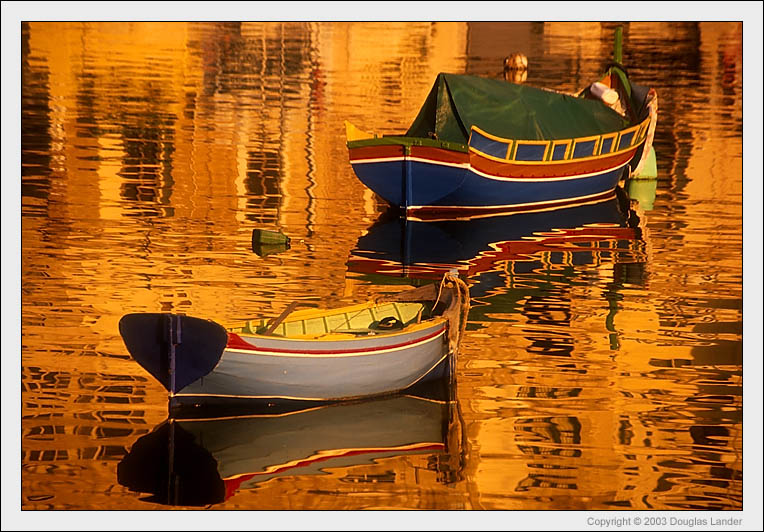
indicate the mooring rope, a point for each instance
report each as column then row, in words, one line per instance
column 456, row 333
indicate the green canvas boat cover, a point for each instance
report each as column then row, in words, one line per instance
column 457, row 102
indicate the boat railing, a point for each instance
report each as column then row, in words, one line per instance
column 556, row 150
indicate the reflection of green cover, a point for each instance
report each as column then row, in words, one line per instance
column 457, row 102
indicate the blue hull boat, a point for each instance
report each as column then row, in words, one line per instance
column 480, row 146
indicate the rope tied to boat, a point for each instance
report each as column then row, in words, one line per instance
column 456, row 330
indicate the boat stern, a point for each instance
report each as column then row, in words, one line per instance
column 175, row 349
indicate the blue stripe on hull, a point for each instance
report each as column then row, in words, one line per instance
column 429, row 184
column 440, row 186
column 478, row 191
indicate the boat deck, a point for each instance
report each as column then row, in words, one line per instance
column 357, row 319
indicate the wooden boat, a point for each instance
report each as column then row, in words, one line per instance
column 480, row 146
column 307, row 356
column 201, row 461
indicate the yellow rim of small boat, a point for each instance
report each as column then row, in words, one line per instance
column 340, row 323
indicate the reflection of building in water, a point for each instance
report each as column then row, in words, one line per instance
column 547, row 320
column 542, row 291
column 541, row 438
column 233, row 124
column 36, row 138
column 378, row 87
column 181, row 137
column 204, row 129
column 75, row 421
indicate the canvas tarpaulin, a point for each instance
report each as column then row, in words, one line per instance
column 457, row 102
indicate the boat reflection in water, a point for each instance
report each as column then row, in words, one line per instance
column 423, row 249
column 204, row 461
column 522, row 268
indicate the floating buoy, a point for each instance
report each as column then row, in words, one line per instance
column 263, row 236
column 266, row 242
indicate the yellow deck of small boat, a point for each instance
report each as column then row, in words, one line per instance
column 339, row 324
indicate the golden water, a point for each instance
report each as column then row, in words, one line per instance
column 151, row 150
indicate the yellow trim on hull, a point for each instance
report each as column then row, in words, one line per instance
column 338, row 336
column 639, row 131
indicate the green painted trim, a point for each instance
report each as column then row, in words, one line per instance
column 408, row 142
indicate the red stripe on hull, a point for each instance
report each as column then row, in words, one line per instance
column 237, row 342
column 440, row 155
column 510, row 169
column 376, row 152
column 436, row 155
column 548, row 168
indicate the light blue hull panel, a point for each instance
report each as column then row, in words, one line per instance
column 290, row 375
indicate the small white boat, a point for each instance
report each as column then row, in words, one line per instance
column 308, row 356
